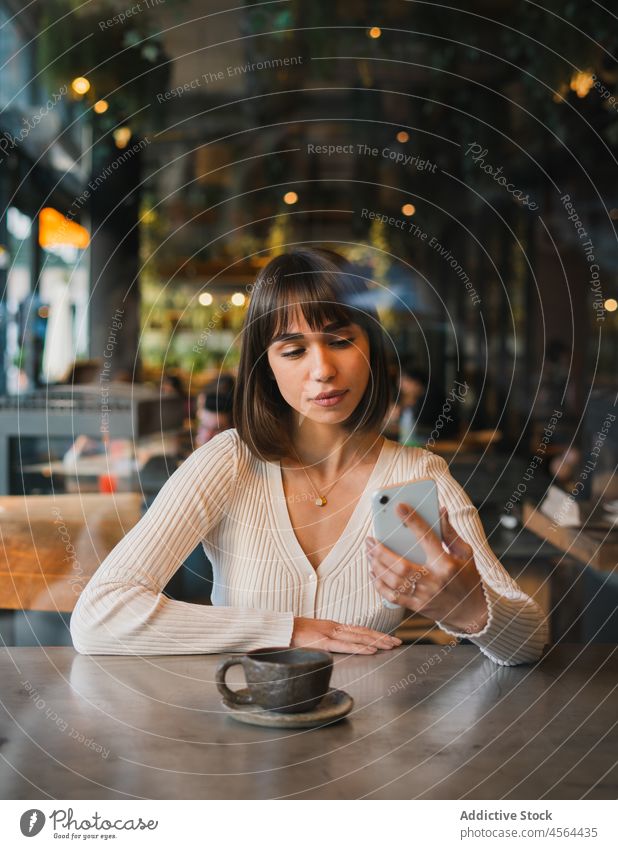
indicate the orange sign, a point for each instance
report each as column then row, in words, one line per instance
column 56, row 229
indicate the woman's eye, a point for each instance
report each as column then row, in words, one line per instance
column 336, row 343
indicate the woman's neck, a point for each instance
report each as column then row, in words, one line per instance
column 327, row 451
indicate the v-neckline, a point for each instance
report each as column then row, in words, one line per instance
column 344, row 541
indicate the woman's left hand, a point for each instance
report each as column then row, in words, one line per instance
column 446, row 588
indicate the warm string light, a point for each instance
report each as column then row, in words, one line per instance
column 290, row 198
column 611, row 305
column 80, row 86
column 402, row 137
column 237, row 299
column 374, row 32
column 101, row 106
column 581, row 83
column 122, row 136
column 408, row 209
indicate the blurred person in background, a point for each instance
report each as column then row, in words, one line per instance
column 171, row 384
column 214, row 411
column 402, row 416
column 412, row 392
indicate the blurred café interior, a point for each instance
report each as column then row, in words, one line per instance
column 153, row 159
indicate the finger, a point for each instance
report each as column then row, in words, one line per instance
column 389, row 578
column 421, row 529
column 395, row 596
column 393, row 561
column 349, row 648
column 360, row 629
column 411, row 573
column 376, row 638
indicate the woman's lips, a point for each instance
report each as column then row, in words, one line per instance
column 332, row 401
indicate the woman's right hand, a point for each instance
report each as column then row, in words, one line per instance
column 335, row 637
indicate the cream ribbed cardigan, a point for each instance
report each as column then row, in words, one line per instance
column 235, row 505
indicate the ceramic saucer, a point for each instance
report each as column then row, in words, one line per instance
column 335, row 705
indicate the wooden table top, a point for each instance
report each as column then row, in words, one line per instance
column 594, row 544
column 429, row 722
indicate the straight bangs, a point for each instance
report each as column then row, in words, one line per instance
column 321, row 286
column 315, row 296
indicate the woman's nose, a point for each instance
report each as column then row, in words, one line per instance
column 322, row 367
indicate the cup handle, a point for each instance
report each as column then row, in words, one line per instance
column 225, row 691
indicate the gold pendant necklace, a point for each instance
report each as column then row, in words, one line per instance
column 319, row 500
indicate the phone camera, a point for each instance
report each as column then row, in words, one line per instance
column 384, row 499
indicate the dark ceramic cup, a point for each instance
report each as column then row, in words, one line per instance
column 281, row 679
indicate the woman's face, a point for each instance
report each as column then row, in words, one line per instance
column 309, row 365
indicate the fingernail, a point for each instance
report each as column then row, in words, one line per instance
column 403, row 509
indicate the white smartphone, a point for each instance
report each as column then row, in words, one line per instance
column 388, row 529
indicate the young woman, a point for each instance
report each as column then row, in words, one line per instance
column 281, row 505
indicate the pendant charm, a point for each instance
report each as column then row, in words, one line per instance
column 320, row 501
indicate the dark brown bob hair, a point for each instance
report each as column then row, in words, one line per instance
column 325, row 288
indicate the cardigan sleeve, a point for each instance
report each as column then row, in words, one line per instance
column 122, row 610
column 516, row 630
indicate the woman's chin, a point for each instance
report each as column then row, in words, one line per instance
column 331, row 418
column 324, row 416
